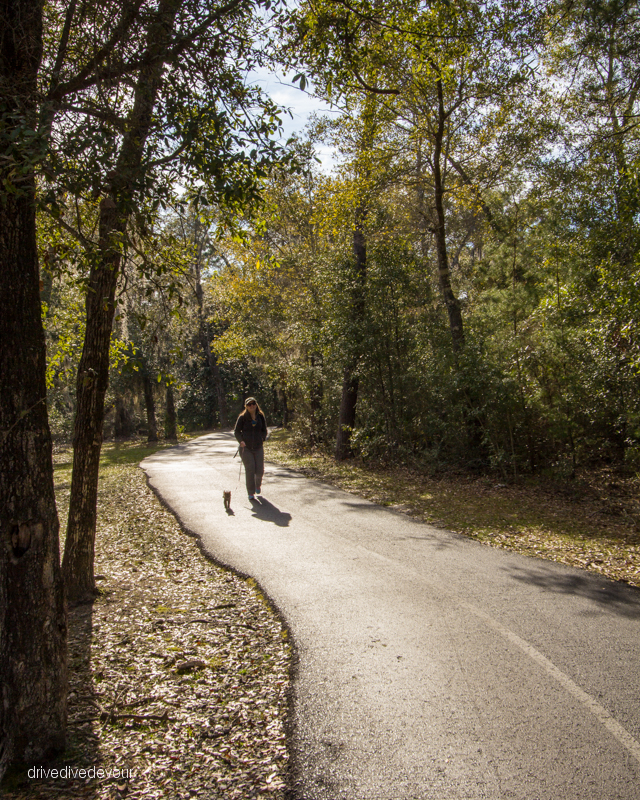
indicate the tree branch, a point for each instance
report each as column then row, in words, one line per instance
column 84, row 79
column 62, row 47
column 167, row 159
column 485, row 208
column 373, row 89
column 129, row 14
column 86, row 243
column 99, row 113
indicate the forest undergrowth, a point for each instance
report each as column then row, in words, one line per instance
column 591, row 522
column 178, row 672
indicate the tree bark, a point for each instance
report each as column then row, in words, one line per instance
column 444, row 274
column 149, row 402
column 170, row 426
column 93, row 372
column 350, row 381
column 33, row 673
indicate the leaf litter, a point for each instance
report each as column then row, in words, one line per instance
column 178, row 672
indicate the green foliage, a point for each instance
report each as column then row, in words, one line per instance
column 541, row 230
column 524, row 116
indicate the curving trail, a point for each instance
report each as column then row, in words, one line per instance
column 430, row 666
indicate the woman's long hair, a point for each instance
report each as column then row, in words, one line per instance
column 247, row 413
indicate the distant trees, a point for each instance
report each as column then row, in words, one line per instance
column 506, row 161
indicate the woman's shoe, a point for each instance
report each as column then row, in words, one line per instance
column 251, row 497
column 258, row 491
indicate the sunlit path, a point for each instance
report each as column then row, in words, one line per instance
column 430, row 666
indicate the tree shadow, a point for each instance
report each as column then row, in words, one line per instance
column 617, row 598
column 361, row 505
column 264, row 510
column 83, row 737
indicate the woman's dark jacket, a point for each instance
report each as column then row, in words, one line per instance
column 252, row 435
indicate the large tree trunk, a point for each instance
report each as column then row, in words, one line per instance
column 93, row 372
column 350, row 382
column 444, row 274
column 150, row 405
column 33, row 675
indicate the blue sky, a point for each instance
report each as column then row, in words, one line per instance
column 301, row 104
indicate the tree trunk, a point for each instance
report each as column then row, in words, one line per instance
column 315, row 401
column 212, row 361
column 350, row 382
column 149, row 402
column 347, row 417
column 93, row 372
column 91, row 387
column 444, row 274
column 123, row 424
column 33, row 672
column 214, row 370
column 170, row 426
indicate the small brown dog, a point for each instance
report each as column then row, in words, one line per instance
column 226, row 497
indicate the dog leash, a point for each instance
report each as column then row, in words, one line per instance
column 240, row 471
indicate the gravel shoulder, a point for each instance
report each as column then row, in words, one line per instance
column 179, row 671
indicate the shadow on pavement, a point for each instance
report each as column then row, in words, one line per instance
column 196, row 447
column 263, row 509
column 615, row 597
column 361, row 505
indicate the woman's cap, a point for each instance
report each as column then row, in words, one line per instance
column 250, row 400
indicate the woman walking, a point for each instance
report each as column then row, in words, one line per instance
column 251, row 431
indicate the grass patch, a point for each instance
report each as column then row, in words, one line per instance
column 592, row 522
column 129, row 452
column 111, row 453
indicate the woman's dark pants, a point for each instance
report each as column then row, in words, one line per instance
column 253, row 467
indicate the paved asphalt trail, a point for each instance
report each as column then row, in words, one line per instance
column 430, row 666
